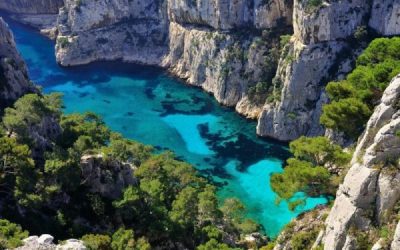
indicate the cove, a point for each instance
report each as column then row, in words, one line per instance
column 145, row 104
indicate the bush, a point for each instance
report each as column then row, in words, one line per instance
column 307, row 172
column 303, row 240
column 354, row 98
column 11, row 235
column 97, row 241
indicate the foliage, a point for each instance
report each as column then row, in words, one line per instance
column 319, row 151
column 313, row 5
column 169, row 202
column 123, row 239
column 11, row 235
column 213, row 245
column 97, row 241
column 354, row 98
column 303, row 240
column 29, row 111
column 307, row 171
column 258, row 93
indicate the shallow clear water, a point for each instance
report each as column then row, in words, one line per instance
column 145, row 104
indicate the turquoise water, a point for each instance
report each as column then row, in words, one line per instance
column 145, row 104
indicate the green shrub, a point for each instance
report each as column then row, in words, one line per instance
column 11, row 235
column 97, row 241
column 354, row 98
column 303, row 240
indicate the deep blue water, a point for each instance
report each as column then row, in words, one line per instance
column 145, row 104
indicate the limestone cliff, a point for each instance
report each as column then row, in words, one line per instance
column 14, row 81
column 319, row 52
column 32, row 6
column 225, row 47
column 218, row 45
column 371, row 188
column 135, row 31
column 228, row 15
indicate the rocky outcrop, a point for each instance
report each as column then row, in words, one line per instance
column 106, row 177
column 134, row 31
column 317, row 54
column 332, row 20
column 14, row 80
column 221, row 63
column 396, row 238
column 309, row 222
column 40, row 14
column 32, row 6
column 299, row 83
column 45, row 242
column 372, row 187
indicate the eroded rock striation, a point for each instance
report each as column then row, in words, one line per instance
column 14, row 80
column 371, row 188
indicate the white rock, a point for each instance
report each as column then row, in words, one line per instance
column 45, row 239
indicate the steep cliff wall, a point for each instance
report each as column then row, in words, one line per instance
column 218, row 45
column 227, row 15
column 32, row 6
column 319, row 52
column 134, row 31
column 225, row 47
column 371, row 188
column 14, row 81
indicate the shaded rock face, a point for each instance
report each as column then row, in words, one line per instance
column 317, row 54
column 135, row 31
column 300, row 81
column 14, row 81
column 107, row 178
column 221, row 63
column 385, row 17
column 334, row 20
column 32, row 6
column 372, row 187
column 227, row 14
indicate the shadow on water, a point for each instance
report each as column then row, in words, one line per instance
column 144, row 103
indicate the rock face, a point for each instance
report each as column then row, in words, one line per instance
column 371, row 188
column 225, row 47
column 299, row 81
column 226, row 15
column 385, row 18
column 333, row 20
column 107, row 178
column 309, row 222
column 32, row 6
column 217, row 45
column 45, row 242
column 317, row 54
column 135, row 31
column 14, row 81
